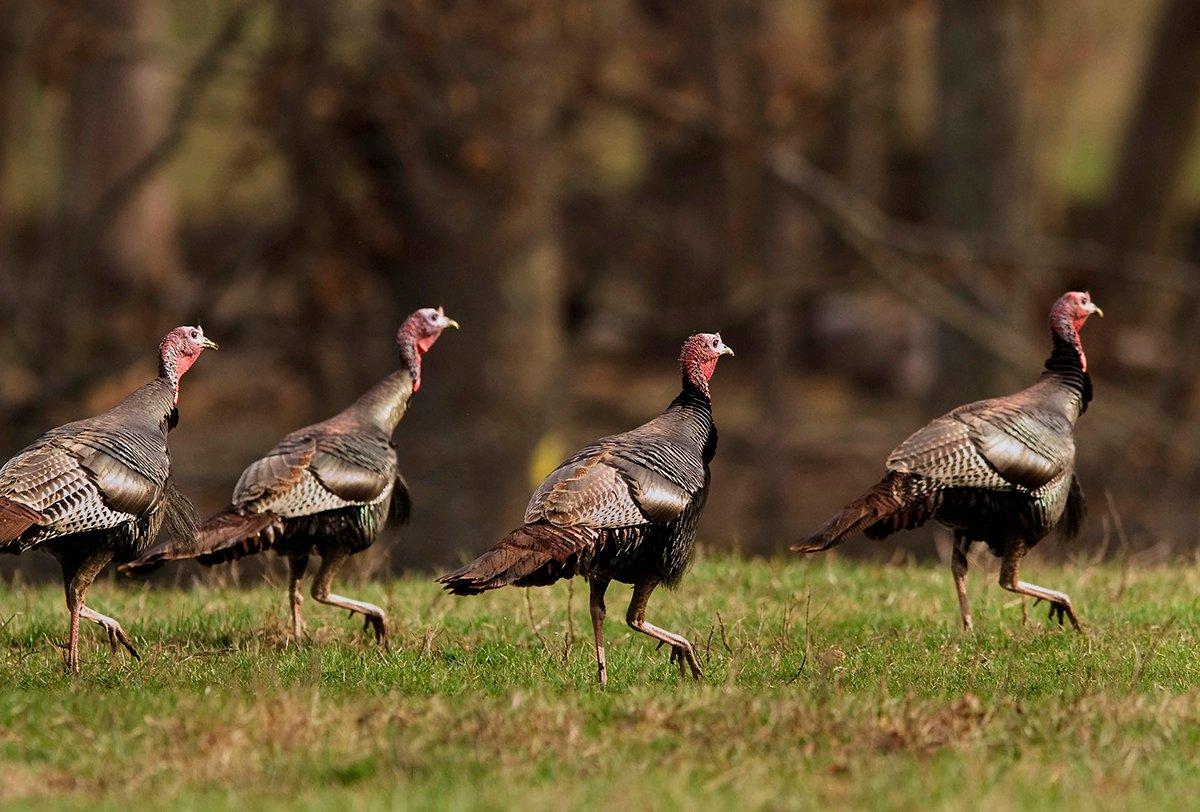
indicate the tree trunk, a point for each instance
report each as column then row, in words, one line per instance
column 1158, row 141
column 684, row 43
column 9, row 10
column 979, row 175
column 480, row 125
column 769, row 242
column 11, row 287
column 1160, row 131
column 862, row 35
column 117, row 111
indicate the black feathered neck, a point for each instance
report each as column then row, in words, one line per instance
column 692, row 393
column 1064, row 365
column 694, row 405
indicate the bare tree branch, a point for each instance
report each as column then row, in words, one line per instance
column 922, row 240
column 863, row 227
column 116, row 196
column 887, row 248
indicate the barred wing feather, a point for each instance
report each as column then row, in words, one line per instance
column 613, row 484
column 993, row 445
column 308, row 472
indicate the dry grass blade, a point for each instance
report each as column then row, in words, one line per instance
column 533, row 625
column 807, row 637
column 1143, row 662
column 1119, row 526
column 570, row 612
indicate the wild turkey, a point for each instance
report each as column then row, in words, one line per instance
column 100, row 489
column 325, row 489
column 624, row 508
column 1000, row 471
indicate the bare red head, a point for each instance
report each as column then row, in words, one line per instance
column 698, row 358
column 178, row 351
column 417, row 334
column 1067, row 318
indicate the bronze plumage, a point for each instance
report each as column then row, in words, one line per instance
column 99, row 489
column 624, row 509
column 1000, row 471
column 327, row 489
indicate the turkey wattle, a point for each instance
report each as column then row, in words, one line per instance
column 624, row 509
column 1000, row 471
column 326, row 489
column 99, row 489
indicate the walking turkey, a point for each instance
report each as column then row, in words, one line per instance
column 1000, row 471
column 100, row 489
column 325, row 489
column 624, row 509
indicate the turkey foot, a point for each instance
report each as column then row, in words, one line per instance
column 682, row 651
column 117, row 636
column 70, row 655
column 681, row 648
column 1060, row 610
column 1060, row 602
column 71, row 660
column 374, row 617
column 378, row 622
column 685, row 653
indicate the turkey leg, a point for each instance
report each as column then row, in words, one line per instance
column 1060, row 602
column 373, row 615
column 598, row 588
column 78, row 575
column 296, row 566
column 958, row 565
column 681, row 649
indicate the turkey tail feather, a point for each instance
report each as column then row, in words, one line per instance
column 179, row 515
column 400, row 510
column 224, row 537
column 1072, row 519
column 15, row 519
column 898, row 502
column 533, row 555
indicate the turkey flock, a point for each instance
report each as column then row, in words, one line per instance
column 623, row 508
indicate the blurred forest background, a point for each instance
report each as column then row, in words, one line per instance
column 874, row 201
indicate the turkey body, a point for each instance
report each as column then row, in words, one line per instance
column 999, row 471
column 624, row 508
column 100, row 489
column 327, row 489
column 101, row 484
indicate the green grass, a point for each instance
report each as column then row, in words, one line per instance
column 827, row 684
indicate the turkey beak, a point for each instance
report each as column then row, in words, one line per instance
column 208, row 343
column 1096, row 309
column 447, row 322
column 724, row 349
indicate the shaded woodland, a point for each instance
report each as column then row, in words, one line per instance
column 875, row 203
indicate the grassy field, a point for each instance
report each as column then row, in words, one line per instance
column 827, row 684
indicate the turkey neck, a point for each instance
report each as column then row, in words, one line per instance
column 691, row 413
column 1063, row 369
column 385, row 403
column 146, row 409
